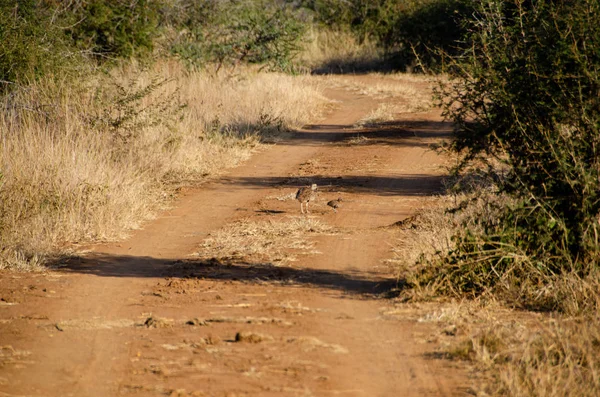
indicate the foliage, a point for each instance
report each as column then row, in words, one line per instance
column 428, row 32
column 30, row 43
column 367, row 18
column 115, row 28
column 44, row 37
column 525, row 95
column 228, row 33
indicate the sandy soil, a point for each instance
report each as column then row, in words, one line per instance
column 150, row 317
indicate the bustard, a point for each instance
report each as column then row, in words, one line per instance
column 305, row 195
column 335, row 204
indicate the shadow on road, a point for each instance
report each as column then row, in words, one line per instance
column 354, row 283
column 405, row 185
column 410, row 133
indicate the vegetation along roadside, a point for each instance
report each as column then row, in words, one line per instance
column 108, row 107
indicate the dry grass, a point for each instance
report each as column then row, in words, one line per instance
column 515, row 352
column 357, row 140
column 87, row 161
column 385, row 112
column 328, row 51
column 264, row 241
column 427, row 238
column 520, row 355
column 423, row 237
column 402, row 87
column 557, row 358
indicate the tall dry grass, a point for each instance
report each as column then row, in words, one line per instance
column 517, row 350
column 338, row 51
column 556, row 357
column 90, row 160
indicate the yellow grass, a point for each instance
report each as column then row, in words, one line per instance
column 264, row 241
column 330, row 51
column 68, row 175
column 514, row 352
column 385, row 112
column 525, row 354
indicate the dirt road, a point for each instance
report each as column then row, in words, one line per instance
column 166, row 313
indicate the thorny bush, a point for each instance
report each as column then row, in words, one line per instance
column 525, row 95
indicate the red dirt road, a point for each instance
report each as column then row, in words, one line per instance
column 146, row 317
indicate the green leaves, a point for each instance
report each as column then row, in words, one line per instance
column 115, row 29
column 30, row 44
column 525, row 95
column 533, row 82
column 236, row 32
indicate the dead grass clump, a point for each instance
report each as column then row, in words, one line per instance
column 264, row 241
column 330, row 51
column 89, row 160
column 252, row 337
column 556, row 357
column 357, row 140
column 157, row 322
column 518, row 353
column 383, row 113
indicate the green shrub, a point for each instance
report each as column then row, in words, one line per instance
column 30, row 44
column 525, row 95
column 428, row 32
column 115, row 28
column 43, row 37
column 367, row 18
column 227, row 33
column 406, row 30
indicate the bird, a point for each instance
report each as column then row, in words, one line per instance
column 335, row 204
column 306, row 194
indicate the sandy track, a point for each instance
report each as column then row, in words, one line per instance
column 317, row 326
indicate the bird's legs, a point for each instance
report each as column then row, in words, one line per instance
column 307, row 211
column 301, row 208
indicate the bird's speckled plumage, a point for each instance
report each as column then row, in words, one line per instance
column 306, row 194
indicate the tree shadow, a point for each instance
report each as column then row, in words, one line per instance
column 361, row 284
column 355, row 65
column 415, row 133
column 409, row 133
column 405, row 185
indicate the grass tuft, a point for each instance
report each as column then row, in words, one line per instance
column 264, row 241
